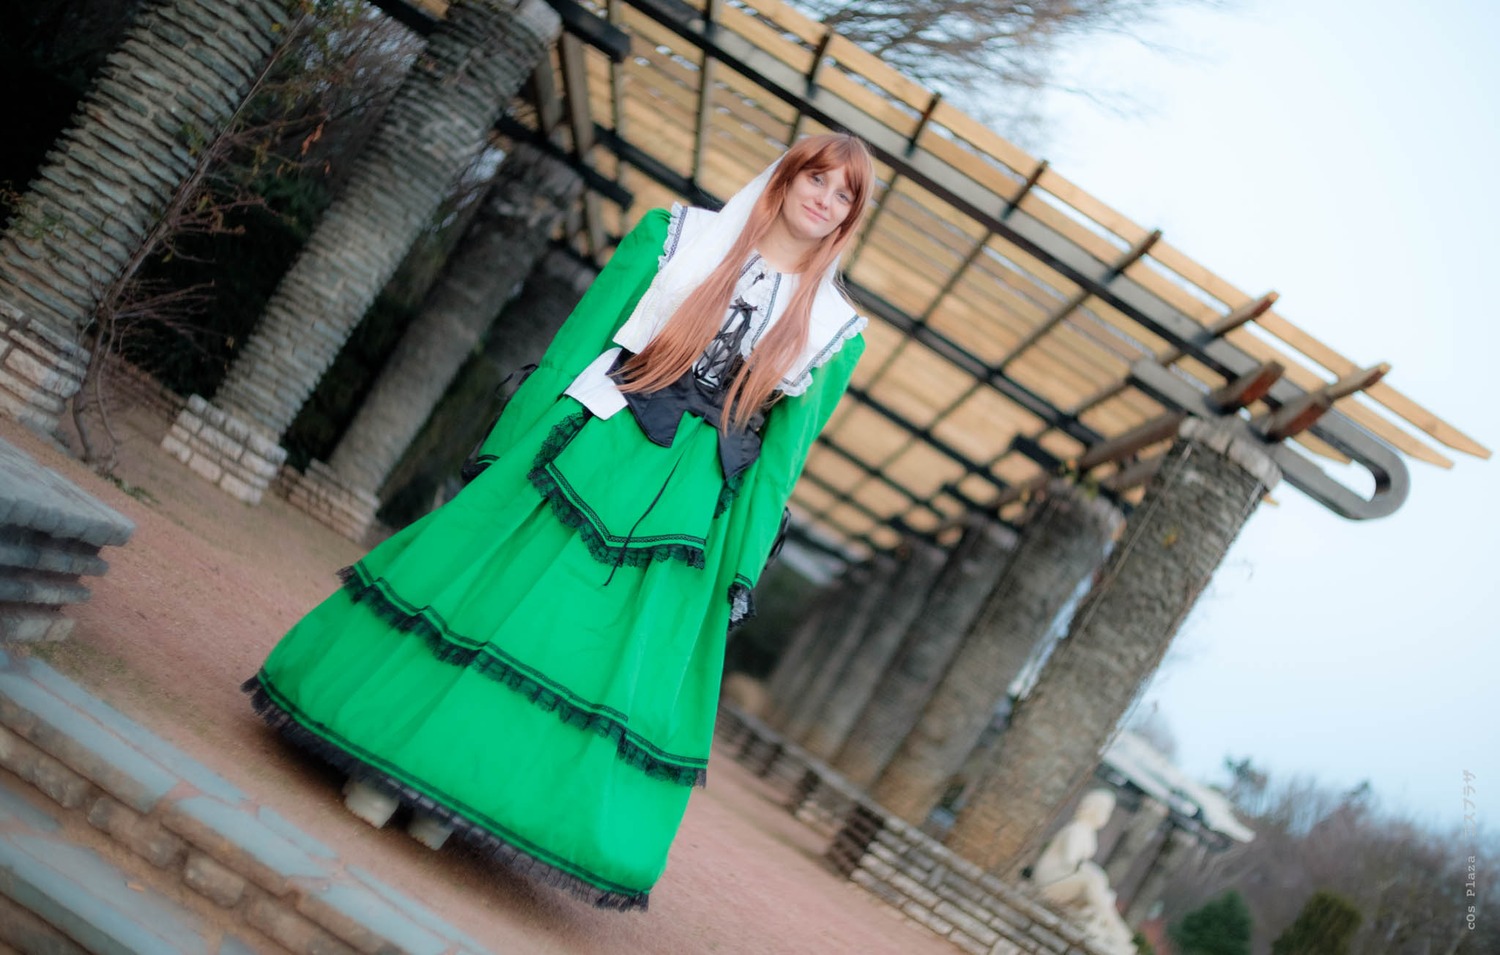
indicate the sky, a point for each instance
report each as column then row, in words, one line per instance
column 1343, row 154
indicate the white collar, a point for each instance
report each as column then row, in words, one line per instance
column 692, row 236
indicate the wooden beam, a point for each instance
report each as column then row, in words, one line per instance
column 706, row 69
column 844, row 498
column 956, row 277
column 607, row 188
column 1244, row 313
column 549, row 107
column 1014, row 202
column 827, row 441
column 927, row 438
column 820, row 53
column 1133, row 475
column 580, row 118
column 615, row 13
column 1297, row 417
column 1247, row 388
column 1357, row 381
column 584, row 23
column 871, row 222
column 1132, row 441
column 922, row 121
column 1130, row 257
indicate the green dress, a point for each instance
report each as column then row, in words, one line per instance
column 538, row 661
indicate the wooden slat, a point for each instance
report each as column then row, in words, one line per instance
column 766, row 38
column 1403, row 407
column 1068, row 193
column 984, row 141
column 792, row 21
column 872, row 68
column 1383, row 393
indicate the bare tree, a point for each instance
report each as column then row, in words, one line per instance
column 317, row 98
column 1408, row 880
column 992, row 56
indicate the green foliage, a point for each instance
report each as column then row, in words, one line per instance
column 1142, row 944
column 1325, row 926
column 1218, row 927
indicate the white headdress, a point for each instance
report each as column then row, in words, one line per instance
column 706, row 237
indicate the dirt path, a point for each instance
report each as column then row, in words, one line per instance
column 193, row 603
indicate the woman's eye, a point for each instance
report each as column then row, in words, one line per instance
column 845, row 197
column 817, row 178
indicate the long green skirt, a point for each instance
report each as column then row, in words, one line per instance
column 538, row 661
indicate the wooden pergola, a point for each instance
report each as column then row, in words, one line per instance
column 1020, row 326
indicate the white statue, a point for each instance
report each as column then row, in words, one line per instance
column 1067, row 876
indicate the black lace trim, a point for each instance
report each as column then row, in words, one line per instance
column 486, row 659
column 741, row 601
column 572, row 513
column 728, row 493
column 488, row 837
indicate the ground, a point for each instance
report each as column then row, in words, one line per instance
column 207, row 585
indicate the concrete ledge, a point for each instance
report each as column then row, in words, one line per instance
column 59, row 897
column 901, row 866
column 224, row 450
column 324, row 495
column 177, row 817
column 50, row 536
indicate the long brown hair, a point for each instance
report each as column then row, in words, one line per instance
column 687, row 333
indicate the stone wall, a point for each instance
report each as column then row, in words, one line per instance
column 51, row 533
column 223, row 450
column 895, row 862
column 39, row 370
column 175, row 826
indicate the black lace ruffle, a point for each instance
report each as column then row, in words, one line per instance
column 511, row 853
column 486, row 659
column 640, row 552
column 728, row 493
column 741, row 602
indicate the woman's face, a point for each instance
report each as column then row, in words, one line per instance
column 816, row 203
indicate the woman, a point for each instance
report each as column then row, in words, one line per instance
column 536, row 664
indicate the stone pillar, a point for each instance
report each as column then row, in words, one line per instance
column 1142, row 829
column 799, row 666
column 1208, row 485
column 40, row 369
column 531, row 195
column 462, row 418
column 1061, row 545
column 840, row 643
column 792, row 663
column 892, row 615
column 180, row 73
column 1177, row 849
column 474, row 63
column 897, row 700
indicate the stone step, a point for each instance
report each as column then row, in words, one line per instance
column 186, row 827
column 60, row 897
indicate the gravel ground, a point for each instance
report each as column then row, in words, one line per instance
column 194, row 602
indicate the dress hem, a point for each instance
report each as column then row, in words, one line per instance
column 504, row 851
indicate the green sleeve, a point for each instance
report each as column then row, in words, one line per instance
column 791, row 427
column 588, row 331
